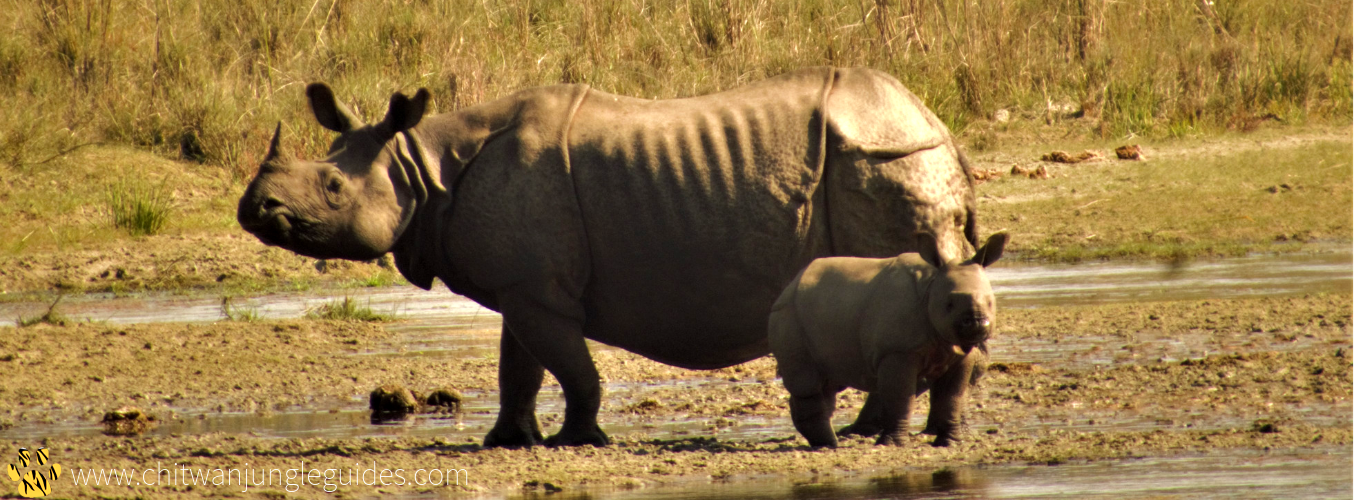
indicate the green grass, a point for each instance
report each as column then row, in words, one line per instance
column 1201, row 203
column 205, row 80
column 51, row 317
column 347, row 310
column 236, row 313
column 138, row 206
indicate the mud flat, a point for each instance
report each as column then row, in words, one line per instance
column 1071, row 385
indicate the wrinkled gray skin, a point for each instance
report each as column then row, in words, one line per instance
column 664, row 227
column 892, row 327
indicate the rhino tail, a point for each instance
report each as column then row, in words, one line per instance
column 969, row 201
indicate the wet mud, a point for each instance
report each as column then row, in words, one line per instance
column 1069, row 385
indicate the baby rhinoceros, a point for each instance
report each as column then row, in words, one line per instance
column 892, row 327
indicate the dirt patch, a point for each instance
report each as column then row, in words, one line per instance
column 1246, row 396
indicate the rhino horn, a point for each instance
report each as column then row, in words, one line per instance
column 405, row 112
column 274, row 151
column 330, row 113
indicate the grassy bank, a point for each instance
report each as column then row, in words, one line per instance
column 205, row 80
column 1272, row 191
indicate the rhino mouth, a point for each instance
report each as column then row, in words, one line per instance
column 272, row 230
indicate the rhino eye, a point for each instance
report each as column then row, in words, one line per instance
column 335, row 185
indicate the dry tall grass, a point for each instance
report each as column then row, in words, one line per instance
column 206, row 79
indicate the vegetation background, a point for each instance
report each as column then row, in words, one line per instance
column 205, row 80
column 128, row 128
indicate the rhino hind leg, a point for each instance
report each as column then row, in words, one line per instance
column 812, row 416
column 520, row 378
column 868, row 422
column 554, row 339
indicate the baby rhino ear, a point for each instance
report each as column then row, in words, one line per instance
column 928, row 250
column 993, row 249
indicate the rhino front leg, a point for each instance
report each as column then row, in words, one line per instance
column 948, row 393
column 520, row 379
column 553, row 336
column 896, row 385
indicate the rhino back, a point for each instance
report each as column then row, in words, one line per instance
column 855, row 310
column 926, row 191
column 697, row 212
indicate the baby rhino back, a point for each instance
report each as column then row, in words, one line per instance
column 836, row 309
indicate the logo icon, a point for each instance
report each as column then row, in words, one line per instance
column 38, row 481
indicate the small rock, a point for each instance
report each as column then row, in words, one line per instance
column 446, row 399
column 127, row 421
column 1001, row 116
column 392, row 398
column 1040, row 173
column 1130, row 152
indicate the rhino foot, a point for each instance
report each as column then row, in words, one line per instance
column 944, row 440
column 860, row 429
column 577, row 437
column 891, row 438
column 512, row 437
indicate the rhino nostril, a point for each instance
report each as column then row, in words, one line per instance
column 272, row 203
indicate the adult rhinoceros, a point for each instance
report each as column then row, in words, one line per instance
column 664, row 227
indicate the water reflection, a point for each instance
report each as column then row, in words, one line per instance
column 1316, row 472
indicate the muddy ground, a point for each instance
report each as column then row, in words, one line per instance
column 1280, row 378
column 1069, row 384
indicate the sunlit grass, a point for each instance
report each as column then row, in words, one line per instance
column 347, row 309
column 1223, row 203
column 138, row 206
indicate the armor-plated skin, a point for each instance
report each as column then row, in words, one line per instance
column 664, row 227
column 891, row 327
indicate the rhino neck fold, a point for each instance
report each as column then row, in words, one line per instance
column 431, row 198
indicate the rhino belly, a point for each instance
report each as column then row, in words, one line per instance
column 697, row 213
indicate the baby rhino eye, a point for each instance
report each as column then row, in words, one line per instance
column 335, row 184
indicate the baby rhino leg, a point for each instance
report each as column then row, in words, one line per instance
column 811, row 400
column 868, row 421
column 948, row 392
column 896, row 385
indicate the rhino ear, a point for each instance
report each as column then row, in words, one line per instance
column 993, row 249
column 927, row 249
column 406, row 112
column 274, row 151
column 330, row 113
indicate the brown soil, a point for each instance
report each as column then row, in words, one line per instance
column 1282, row 380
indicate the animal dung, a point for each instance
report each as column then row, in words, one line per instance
column 983, row 175
column 393, row 399
column 1130, row 152
column 128, row 421
column 1039, row 173
column 1064, row 157
column 445, row 399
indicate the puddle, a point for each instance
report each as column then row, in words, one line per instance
column 439, row 310
column 1262, row 275
column 1323, row 472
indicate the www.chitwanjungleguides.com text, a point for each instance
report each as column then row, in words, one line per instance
column 292, row 479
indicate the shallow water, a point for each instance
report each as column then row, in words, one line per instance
column 1323, row 472
column 1015, row 286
